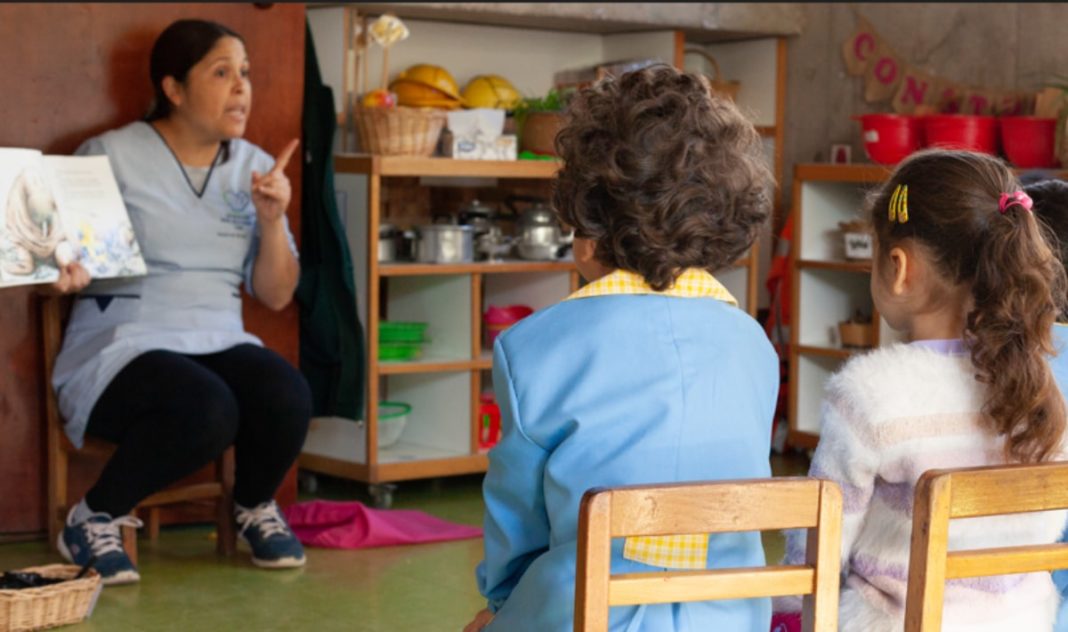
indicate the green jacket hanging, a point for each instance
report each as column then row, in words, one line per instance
column 332, row 353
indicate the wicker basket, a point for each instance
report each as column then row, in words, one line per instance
column 399, row 131
column 856, row 335
column 49, row 606
column 728, row 89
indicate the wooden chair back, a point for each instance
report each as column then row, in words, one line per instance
column 60, row 449
column 714, row 507
column 942, row 495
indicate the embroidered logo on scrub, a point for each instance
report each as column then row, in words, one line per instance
column 239, row 214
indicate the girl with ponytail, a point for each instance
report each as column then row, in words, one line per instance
column 963, row 269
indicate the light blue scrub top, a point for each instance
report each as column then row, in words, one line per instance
column 617, row 390
column 197, row 249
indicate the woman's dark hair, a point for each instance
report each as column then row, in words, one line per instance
column 661, row 175
column 1017, row 284
column 177, row 49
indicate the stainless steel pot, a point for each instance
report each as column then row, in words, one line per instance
column 445, row 243
column 387, row 243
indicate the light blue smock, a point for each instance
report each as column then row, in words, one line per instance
column 197, row 249
column 1059, row 366
column 619, row 390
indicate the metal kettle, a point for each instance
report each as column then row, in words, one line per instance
column 480, row 216
column 539, row 235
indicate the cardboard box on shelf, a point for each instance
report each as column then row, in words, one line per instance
column 477, row 135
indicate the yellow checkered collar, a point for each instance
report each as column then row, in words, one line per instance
column 692, row 283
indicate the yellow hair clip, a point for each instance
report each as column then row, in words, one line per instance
column 899, row 204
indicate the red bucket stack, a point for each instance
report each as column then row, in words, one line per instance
column 1027, row 141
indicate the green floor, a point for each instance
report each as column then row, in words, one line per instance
column 185, row 586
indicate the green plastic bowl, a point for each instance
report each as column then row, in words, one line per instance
column 396, row 331
column 402, row 351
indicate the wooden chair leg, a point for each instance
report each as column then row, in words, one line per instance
column 129, row 543
column 58, row 503
column 153, row 524
column 225, row 531
column 226, row 534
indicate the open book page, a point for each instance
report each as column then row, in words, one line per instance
column 94, row 216
column 56, row 209
column 30, row 231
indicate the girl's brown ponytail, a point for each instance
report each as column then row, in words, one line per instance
column 1018, row 284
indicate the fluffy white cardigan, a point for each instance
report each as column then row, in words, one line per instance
column 888, row 416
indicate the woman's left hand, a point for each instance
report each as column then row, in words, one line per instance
column 271, row 191
column 481, row 620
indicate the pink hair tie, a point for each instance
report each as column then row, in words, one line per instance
column 1019, row 198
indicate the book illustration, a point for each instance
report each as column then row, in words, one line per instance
column 59, row 209
column 31, row 243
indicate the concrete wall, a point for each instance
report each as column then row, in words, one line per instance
column 998, row 45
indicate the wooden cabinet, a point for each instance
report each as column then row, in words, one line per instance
column 444, row 385
column 827, row 288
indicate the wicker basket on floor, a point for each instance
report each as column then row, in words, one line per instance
column 399, row 131
column 50, row 606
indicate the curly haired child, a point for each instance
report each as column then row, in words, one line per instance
column 961, row 267
column 648, row 374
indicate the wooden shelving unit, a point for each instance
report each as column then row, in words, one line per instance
column 843, row 266
column 840, row 353
column 827, row 287
column 445, row 384
column 415, row 166
column 500, row 267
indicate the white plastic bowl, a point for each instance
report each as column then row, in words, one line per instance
column 392, row 417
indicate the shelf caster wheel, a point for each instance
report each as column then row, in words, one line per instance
column 308, row 482
column 382, row 494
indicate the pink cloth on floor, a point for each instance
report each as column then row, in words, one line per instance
column 352, row 525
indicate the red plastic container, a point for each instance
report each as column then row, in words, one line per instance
column 1029, row 141
column 889, row 138
column 962, row 131
column 497, row 319
column 489, row 422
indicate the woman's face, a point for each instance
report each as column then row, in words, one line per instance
column 216, row 97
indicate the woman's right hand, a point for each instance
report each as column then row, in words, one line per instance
column 72, row 278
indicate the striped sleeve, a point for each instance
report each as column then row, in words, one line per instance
column 848, row 455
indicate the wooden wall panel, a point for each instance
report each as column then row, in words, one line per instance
column 70, row 71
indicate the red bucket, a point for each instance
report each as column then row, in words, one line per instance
column 1028, row 141
column 889, row 138
column 962, row 131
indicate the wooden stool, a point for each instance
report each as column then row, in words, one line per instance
column 60, row 451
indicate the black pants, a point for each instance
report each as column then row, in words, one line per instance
column 171, row 414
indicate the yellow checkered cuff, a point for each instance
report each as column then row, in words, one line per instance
column 671, row 551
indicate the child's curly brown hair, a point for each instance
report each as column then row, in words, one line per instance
column 661, row 175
